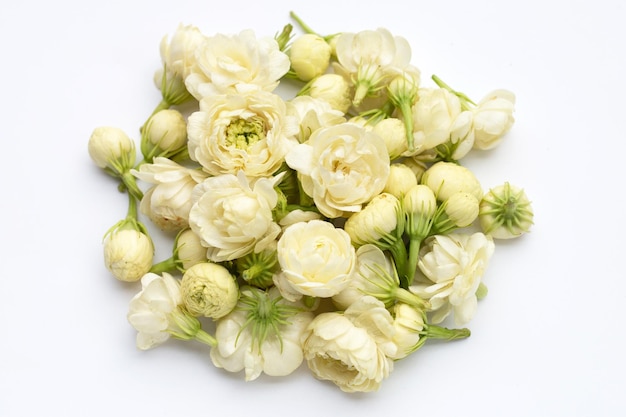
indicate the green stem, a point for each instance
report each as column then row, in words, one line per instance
column 205, row 338
column 407, row 297
column 306, row 28
column 398, row 253
column 407, row 116
column 437, row 332
column 131, row 214
column 131, row 185
column 414, row 247
column 464, row 99
column 167, row 265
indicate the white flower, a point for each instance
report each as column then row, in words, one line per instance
column 209, row 290
column 493, row 117
column 178, row 56
column 434, row 115
column 341, row 167
column 111, row 148
column 447, row 178
column 128, row 254
column 455, row 264
column 236, row 64
column 233, row 217
column 334, row 89
column 310, row 56
column 317, row 259
column 168, row 202
column 312, row 114
column 352, row 349
column 250, row 133
column 370, row 57
column 149, row 310
column 263, row 334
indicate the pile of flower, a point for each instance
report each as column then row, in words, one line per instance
column 335, row 227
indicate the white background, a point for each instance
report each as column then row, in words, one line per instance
column 547, row 341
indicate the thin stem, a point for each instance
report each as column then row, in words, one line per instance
column 414, row 247
column 306, row 28
column 205, row 338
column 437, row 332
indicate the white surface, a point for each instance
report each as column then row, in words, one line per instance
column 547, row 341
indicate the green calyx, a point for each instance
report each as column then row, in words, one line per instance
column 507, row 208
column 264, row 315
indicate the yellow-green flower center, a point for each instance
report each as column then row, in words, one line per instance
column 242, row 133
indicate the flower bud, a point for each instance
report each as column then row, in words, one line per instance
column 393, row 133
column 420, row 200
column 334, row 89
column 408, row 324
column 376, row 222
column 258, row 269
column 493, row 117
column 447, row 178
column 401, row 179
column 462, row 209
column 506, row 212
column 419, row 205
column 310, row 56
column 111, row 149
column 189, row 250
column 164, row 134
column 209, row 290
column 128, row 254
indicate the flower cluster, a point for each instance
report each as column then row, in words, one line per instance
column 336, row 227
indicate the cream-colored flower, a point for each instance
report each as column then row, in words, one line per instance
column 401, row 180
column 312, row 114
column 310, row 56
column 461, row 138
column 493, row 117
column 149, row 310
column 178, row 56
column 168, row 202
column 334, row 89
column 250, row 133
column 164, row 134
column 128, row 254
column 447, row 178
column 111, row 149
column 352, row 349
column 341, row 167
column 316, row 258
column 263, row 334
column 376, row 222
column 455, row 264
column 370, row 58
column 434, row 115
column 189, row 249
column 233, row 217
column 209, row 290
column 236, row 64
